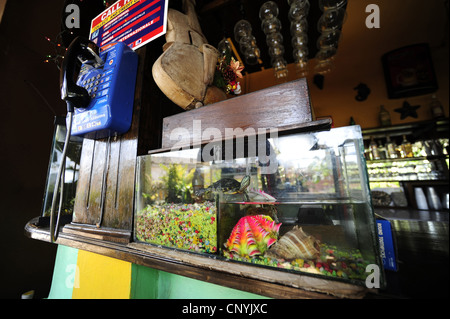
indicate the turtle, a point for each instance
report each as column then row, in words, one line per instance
column 225, row 185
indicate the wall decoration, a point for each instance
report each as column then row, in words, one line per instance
column 407, row 110
column 363, row 92
column 409, row 71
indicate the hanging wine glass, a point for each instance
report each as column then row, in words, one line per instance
column 300, row 55
column 242, row 28
column 324, row 66
column 300, row 41
column 279, row 66
column 300, row 26
column 276, row 50
column 268, row 10
column 271, row 25
column 329, row 25
column 274, row 38
column 331, row 19
column 331, row 4
column 247, row 42
column 249, row 49
column 302, row 2
column 329, row 39
column 325, row 53
column 224, row 46
column 251, row 57
column 301, row 61
column 298, row 10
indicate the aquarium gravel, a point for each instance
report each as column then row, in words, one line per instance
column 185, row 226
column 333, row 262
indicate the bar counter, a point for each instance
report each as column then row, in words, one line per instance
column 422, row 242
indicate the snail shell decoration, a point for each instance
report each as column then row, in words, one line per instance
column 295, row 244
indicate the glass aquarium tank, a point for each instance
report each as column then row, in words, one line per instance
column 302, row 204
column 71, row 171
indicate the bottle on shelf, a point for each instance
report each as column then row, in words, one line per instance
column 391, row 148
column 374, row 149
column 436, row 108
column 385, row 117
column 406, row 148
column 382, row 151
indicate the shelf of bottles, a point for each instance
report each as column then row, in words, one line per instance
column 399, row 155
column 408, row 161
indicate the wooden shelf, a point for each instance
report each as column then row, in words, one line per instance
column 426, row 129
column 408, row 159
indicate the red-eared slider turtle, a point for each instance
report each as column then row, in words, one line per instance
column 225, row 185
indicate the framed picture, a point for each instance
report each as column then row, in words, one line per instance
column 409, row 71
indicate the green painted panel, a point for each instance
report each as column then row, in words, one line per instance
column 148, row 283
column 64, row 273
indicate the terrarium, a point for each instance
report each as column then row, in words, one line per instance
column 300, row 203
column 71, row 172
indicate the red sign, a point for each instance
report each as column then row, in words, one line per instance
column 134, row 22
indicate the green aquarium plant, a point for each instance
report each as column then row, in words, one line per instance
column 177, row 183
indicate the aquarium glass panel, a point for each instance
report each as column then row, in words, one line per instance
column 71, row 171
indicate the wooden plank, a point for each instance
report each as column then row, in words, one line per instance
column 82, row 194
column 121, row 215
column 282, row 105
column 107, row 234
column 94, row 203
column 313, row 126
column 112, row 177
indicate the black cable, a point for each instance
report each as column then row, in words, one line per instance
column 54, row 229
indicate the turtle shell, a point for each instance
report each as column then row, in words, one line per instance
column 226, row 185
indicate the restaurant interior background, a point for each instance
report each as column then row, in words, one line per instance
column 30, row 98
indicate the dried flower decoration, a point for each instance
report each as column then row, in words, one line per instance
column 227, row 72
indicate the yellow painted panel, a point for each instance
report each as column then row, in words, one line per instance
column 101, row 277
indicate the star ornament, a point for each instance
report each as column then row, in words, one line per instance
column 407, row 110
